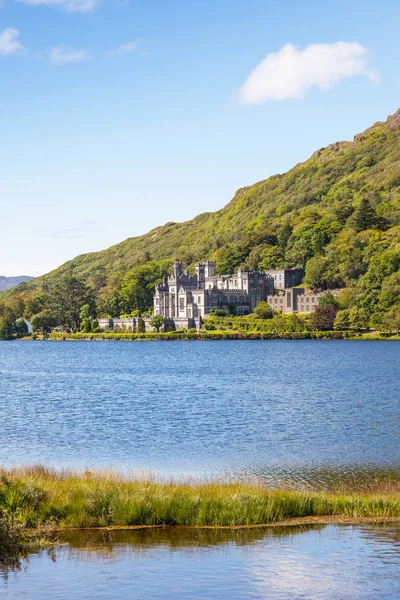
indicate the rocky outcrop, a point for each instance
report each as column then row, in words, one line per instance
column 394, row 120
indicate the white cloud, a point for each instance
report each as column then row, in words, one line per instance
column 9, row 42
column 124, row 48
column 82, row 6
column 291, row 72
column 61, row 55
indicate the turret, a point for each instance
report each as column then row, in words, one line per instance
column 178, row 269
column 209, row 268
column 200, row 272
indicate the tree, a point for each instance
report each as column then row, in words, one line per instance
column 229, row 258
column 5, row 329
column 365, row 216
column 20, row 327
column 86, row 326
column 232, row 310
column 283, row 234
column 85, row 312
column 391, row 319
column 157, row 322
column 342, row 320
column 66, row 298
column 263, row 311
column 323, row 317
column 96, row 327
column 141, row 327
column 348, row 297
column 43, row 321
column 358, row 318
column 328, row 298
column 316, row 273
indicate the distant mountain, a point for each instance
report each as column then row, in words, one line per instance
column 8, row 282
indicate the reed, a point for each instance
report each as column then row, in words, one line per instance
column 39, row 497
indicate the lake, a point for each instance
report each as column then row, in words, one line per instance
column 303, row 412
column 329, row 563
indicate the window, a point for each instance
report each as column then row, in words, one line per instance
column 181, row 303
column 312, row 299
column 157, row 301
column 289, row 300
column 199, row 300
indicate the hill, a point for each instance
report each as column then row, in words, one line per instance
column 337, row 214
column 8, row 282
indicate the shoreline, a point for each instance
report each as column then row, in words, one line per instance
column 214, row 336
column 293, row 522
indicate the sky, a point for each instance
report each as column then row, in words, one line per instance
column 117, row 116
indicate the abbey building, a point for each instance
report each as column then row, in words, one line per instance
column 186, row 299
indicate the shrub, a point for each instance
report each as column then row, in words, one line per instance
column 263, row 311
column 323, row 317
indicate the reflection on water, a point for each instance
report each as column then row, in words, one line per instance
column 278, row 410
column 331, row 562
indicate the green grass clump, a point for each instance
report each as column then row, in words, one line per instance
column 37, row 497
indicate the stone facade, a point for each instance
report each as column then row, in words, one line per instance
column 127, row 324
column 286, row 278
column 296, row 300
column 182, row 297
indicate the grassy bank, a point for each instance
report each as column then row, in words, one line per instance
column 39, row 497
column 225, row 335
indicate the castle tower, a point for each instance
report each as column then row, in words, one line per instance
column 200, row 272
column 209, row 268
column 178, row 269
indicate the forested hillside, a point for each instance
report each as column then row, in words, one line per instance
column 337, row 215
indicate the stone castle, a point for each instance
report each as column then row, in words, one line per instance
column 184, row 300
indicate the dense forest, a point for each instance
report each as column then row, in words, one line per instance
column 337, row 215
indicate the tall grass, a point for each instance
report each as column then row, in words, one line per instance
column 39, row 497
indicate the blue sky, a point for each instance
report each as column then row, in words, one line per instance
column 118, row 116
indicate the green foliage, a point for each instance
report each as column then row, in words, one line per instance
column 365, row 217
column 391, row 319
column 157, row 321
column 328, row 298
column 86, row 326
column 20, row 327
column 141, row 327
column 219, row 312
column 358, row 318
column 43, row 321
column 263, row 311
column 348, row 298
column 6, row 329
column 342, row 320
column 69, row 299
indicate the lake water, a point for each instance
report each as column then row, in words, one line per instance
column 328, row 563
column 298, row 411
column 309, row 413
